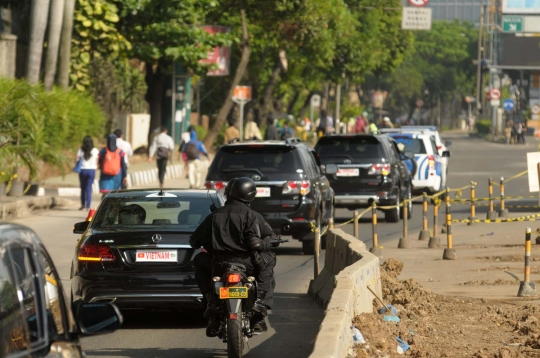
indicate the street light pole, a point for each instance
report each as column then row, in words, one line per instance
column 478, row 61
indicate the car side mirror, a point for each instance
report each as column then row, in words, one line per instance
column 446, row 153
column 98, row 318
column 80, row 228
column 408, row 155
column 447, row 143
column 331, row 169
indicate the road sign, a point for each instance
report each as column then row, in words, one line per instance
column 512, row 23
column 495, row 102
column 508, row 104
column 470, row 99
column 242, row 93
column 418, row 3
column 315, row 100
column 495, row 93
column 415, row 18
column 535, row 109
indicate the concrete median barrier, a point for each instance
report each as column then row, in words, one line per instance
column 342, row 288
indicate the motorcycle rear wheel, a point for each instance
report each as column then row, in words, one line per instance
column 235, row 339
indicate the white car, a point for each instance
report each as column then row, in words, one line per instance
column 430, row 173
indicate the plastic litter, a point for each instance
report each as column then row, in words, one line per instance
column 392, row 309
column 391, row 319
column 357, row 336
column 402, row 344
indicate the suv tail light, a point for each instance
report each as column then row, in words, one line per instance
column 297, row 187
column 431, row 162
column 376, row 169
column 89, row 252
column 216, row 185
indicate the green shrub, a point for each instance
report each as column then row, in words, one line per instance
column 483, row 126
column 38, row 126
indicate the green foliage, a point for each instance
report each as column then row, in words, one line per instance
column 201, row 132
column 483, row 126
column 37, row 126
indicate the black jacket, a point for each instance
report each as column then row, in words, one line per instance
column 234, row 229
column 271, row 132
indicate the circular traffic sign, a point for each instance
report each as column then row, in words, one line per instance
column 508, row 104
column 418, row 2
column 535, row 109
column 495, row 93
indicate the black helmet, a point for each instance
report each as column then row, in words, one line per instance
column 243, row 189
column 228, row 187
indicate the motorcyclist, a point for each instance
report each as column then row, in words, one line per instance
column 235, row 234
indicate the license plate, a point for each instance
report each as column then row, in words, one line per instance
column 348, row 172
column 156, row 256
column 263, row 192
column 232, row 292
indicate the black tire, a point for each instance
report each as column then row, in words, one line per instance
column 235, row 339
column 307, row 247
column 393, row 215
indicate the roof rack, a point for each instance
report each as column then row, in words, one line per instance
column 293, row 140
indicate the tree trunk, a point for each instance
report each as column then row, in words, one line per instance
column 240, row 71
column 293, row 101
column 268, row 97
column 305, row 107
column 155, row 80
column 65, row 44
column 39, row 14
column 55, row 31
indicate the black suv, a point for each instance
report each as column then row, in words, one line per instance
column 371, row 169
column 292, row 190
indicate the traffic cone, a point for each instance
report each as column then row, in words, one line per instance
column 91, row 213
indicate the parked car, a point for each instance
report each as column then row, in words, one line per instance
column 135, row 251
column 370, row 170
column 430, row 174
column 35, row 319
column 292, row 190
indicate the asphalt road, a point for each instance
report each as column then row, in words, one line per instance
column 295, row 318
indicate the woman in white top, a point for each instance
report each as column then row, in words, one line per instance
column 89, row 155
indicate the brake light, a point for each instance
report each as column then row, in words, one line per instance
column 215, row 185
column 377, row 169
column 302, row 187
column 89, row 252
column 431, row 162
column 234, row 278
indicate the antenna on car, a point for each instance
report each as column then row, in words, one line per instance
column 161, row 193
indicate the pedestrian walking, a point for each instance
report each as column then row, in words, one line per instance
column 252, row 131
column 88, row 156
column 373, row 128
column 387, row 123
column 519, row 133
column 186, row 137
column 125, row 146
column 231, row 133
column 286, row 131
column 360, row 125
column 113, row 167
column 162, row 147
column 508, row 133
column 523, row 132
column 271, row 130
column 322, row 126
column 193, row 151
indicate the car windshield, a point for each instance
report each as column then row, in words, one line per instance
column 153, row 211
column 354, row 147
column 256, row 159
column 413, row 145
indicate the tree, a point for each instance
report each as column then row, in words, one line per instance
column 38, row 24
column 55, row 31
column 65, row 44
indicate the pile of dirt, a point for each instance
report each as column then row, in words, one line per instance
column 440, row 326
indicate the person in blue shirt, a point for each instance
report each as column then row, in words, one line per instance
column 193, row 151
column 286, row 131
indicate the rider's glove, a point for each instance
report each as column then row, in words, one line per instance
column 256, row 244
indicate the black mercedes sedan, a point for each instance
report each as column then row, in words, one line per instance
column 135, row 251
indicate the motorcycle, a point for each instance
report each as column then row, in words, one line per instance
column 237, row 292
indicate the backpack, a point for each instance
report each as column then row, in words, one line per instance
column 191, row 151
column 112, row 162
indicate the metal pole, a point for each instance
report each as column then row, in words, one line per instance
column 173, row 101
column 338, row 101
column 405, row 223
column 424, row 212
column 473, row 209
column 317, row 244
column 241, row 121
column 527, row 288
column 449, row 252
column 502, row 196
column 479, row 60
column 374, row 226
column 355, row 226
column 490, row 193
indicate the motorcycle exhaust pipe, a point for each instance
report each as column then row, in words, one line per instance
column 286, row 227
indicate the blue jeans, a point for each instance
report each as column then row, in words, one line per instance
column 86, row 177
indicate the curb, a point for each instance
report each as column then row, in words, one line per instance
column 24, row 207
column 342, row 287
column 139, row 178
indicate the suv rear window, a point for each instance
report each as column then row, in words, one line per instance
column 413, row 145
column 355, row 147
column 261, row 159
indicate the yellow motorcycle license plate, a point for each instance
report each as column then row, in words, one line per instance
column 232, row 292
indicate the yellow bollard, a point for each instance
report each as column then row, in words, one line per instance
column 527, row 288
column 473, row 209
column 449, row 252
column 491, row 215
column 404, row 242
column 375, row 249
column 424, row 233
column 355, row 225
column 434, row 240
column 503, row 212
